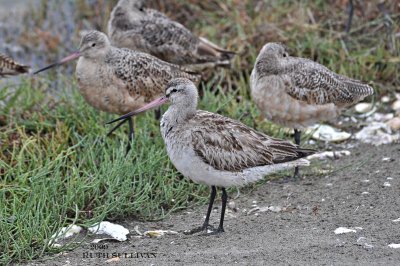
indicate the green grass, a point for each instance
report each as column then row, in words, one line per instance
column 57, row 167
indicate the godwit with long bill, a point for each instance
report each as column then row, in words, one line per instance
column 118, row 80
column 214, row 150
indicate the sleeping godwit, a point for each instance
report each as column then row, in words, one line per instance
column 297, row 92
column 9, row 67
column 118, row 80
column 215, row 150
column 133, row 26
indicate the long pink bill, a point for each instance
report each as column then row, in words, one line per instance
column 72, row 56
column 155, row 103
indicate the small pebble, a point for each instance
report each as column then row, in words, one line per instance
column 396, row 105
column 385, row 99
column 394, row 123
column 363, row 107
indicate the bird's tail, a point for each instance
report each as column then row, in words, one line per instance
column 209, row 49
column 9, row 67
column 303, row 152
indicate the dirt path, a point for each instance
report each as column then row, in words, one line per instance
column 300, row 234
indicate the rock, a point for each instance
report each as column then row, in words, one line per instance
column 396, row 105
column 376, row 133
column 275, row 208
column 232, row 205
column 363, row 107
column 385, row 99
column 394, row 123
column 380, row 117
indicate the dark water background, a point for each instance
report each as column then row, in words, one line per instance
column 39, row 32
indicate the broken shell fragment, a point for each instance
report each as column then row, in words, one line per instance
column 329, row 134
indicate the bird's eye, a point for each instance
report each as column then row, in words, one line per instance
column 174, row 90
column 285, row 55
column 93, row 44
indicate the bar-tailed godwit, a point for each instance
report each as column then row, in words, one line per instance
column 133, row 26
column 215, row 150
column 297, row 92
column 8, row 67
column 118, row 80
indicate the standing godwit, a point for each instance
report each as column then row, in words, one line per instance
column 133, row 26
column 215, row 150
column 118, row 80
column 9, row 67
column 297, row 92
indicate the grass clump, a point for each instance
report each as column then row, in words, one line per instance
column 57, row 167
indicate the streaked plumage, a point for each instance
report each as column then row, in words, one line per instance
column 215, row 150
column 8, row 67
column 118, row 80
column 298, row 92
column 133, row 26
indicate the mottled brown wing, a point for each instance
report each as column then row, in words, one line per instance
column 9, row 67
column 167, row 35
column 229, row 145
column 144, row 74
column 315, row 84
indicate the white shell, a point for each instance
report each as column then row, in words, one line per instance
column 363, row 107
column 329, row 134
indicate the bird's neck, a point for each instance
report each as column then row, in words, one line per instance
column 267, row 65
column 178, row 114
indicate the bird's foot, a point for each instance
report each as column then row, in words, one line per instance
column 206, row 228
column 214, row 232
column 295, row 177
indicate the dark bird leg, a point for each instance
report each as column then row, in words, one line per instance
column 157, row 113
column 224, row 198
column 131, row 134
column 350, row 9
column 206, row 221
column 297, row 134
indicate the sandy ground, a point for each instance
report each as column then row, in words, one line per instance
column 302, row 233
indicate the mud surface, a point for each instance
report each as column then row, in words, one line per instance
column 301, row 233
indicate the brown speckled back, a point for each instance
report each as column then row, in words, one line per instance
column 298, row 92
